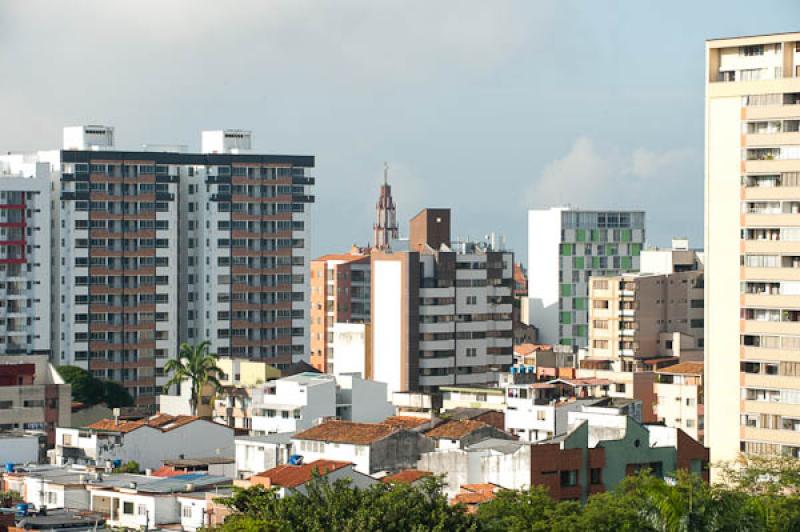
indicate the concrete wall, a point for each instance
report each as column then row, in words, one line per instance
column 400, row 450
column 19, row 450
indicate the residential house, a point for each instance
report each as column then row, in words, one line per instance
column 288, row 479
column 472, row 397
column 294, row 403
column 462, row 433
column 259, row 453
column 147, row 441
column 371, row 447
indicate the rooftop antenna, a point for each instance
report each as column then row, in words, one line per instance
column 385, row 173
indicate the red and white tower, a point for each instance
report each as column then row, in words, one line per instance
column 385, row 228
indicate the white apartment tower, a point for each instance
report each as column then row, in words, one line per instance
column 158, row 246
column 752, row 254
column 24, row 256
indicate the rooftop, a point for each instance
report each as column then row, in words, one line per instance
column 162, row 422
column 683, row 368
column 291, row 476
column 406, row 422
column 343, row 257
column 194, row 462
column 407, row 476
column 455, row 430
column 347, row 432
column 280, row 438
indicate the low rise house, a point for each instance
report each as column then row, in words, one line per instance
column 294, row 403
column 259, row 453
column 289, row 479
column 370, row 447
column 462, row 433
column 147, row 441
column 495, row 418
column 149, row 502
column 417, row 404
column 593, row 456
column 218, row 466
column 472, row 397
column 679, row 398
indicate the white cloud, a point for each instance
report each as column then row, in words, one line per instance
column 595, row 175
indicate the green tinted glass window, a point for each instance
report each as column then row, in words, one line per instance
column 625, row 235
column 625, row 263
column 580, row 235
column 580, row 303
column 636, row 249
column 566, row 249
column 579, row 263
column 566, row 290
column 566, row 318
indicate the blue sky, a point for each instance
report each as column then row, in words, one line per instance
column 489, row 108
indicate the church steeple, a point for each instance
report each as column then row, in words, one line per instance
column 385, row 227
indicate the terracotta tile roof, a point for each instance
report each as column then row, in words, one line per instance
column 347, row 432
column 408, row 476
column 291, row 476
column 162, row 422
column 473, row 494
column 455, row 430
column 406, row 422
column 686, row 368
column 658, row 360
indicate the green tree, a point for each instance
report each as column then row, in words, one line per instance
column 116, row 395
column 533, row 510
column 90, row 390
column 132, row 466
column 196, row 364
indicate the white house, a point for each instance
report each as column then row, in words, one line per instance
column 148, row 502
column 288, row 479
column 295, row 403
column 147, row 441
column 259, row 453
column 370, row 447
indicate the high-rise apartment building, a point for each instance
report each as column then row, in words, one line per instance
column 339, row 294
column 159, row 246
column 440, row 313
column 247, row 249
column 566, row 248
column 752, row 244
column 25, row 262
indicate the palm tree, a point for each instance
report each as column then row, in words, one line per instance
column 194, row 363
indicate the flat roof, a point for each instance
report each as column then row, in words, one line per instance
column 200, row 159
column 752, row 36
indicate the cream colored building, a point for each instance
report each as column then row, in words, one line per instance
column 752, row 239
column 638, row 316
column 679, row 398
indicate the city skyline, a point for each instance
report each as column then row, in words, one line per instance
column 362, row 92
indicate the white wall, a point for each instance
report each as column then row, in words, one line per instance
column 197, row 508
column 22, row 450
column 544, row 238
column 387, row 326
column 349, row 348
column 345, row 452
column 368, row 397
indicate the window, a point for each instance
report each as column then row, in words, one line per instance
column 472, row 300
column 186, row 511
column 472, row 352
column 569, row 478
column 141, row 509
column 127, row 508
column 596, row 475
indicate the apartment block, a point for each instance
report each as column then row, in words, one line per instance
column 339, row 294
column 441, row 312
column 154, row 247
column 566, row 248
column 25, row 256
column 752, row 343
column 636, row 316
